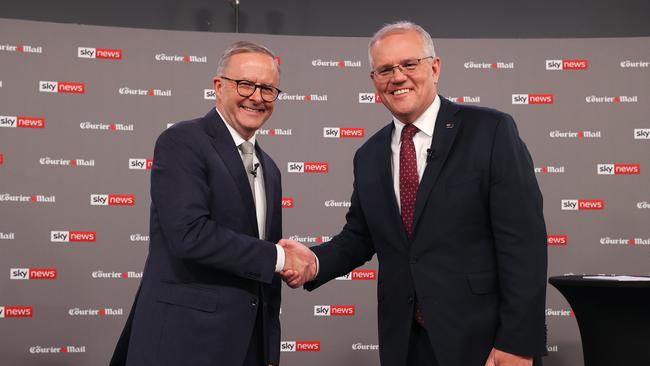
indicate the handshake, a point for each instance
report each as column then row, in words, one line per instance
column 299, row 263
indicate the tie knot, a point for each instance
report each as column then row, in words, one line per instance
column 247, row 147
column 409, row 131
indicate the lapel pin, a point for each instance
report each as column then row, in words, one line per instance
column 449, row 125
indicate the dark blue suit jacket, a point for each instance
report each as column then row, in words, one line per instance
column 207, row 272
column 477, row 259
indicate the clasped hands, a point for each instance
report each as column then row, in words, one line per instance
column 299, row 263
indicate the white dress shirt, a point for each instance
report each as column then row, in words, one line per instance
column 260, row 193
column 422, row 141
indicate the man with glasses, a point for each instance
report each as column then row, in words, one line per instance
column 210, row 292
column 446, row 196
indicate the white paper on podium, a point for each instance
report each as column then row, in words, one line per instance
column 616, row 278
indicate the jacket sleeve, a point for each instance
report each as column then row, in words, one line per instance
column 180, row 194
column 520, row 242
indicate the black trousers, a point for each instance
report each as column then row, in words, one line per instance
column 255, row 354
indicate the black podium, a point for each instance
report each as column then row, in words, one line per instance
column 613, row 317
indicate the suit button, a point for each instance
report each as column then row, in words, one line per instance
column 253, row 302
column 410, row 299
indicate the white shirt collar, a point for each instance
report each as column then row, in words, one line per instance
column 425, row 122
column 235, row 135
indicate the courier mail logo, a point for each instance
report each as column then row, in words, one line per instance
column 343, row 132
column 615, row 99
column 112, row 200
column 21, row 48
column 307, row 167
column 618, row 169
column 342, row 64
column 311, row 239
column 368, row 98
column 113, row 127
column 303, row 98
column 61, row 87
column 16, row 311
column 300, row 346
column 489, row 65
column 146, row 92
column 580, row 205
column 73, row 236
column 557, row 240
column 22, row 122
column 465, row 99
column 99, row 53
column 140, row 164
column 359, row 275
column 558, row 65
column 32, row 274
column 287, row 202
column 548, row 169
column 180, row 58
column 334, row 310
column 96, row 312
column 533, row 99
column 634, row 64
column 57, row 349
column 274, row 132
column 116, row 275
column 623, row 241
column 575, row 134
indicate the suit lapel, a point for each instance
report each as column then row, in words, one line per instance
column 445, row 131
column 225, row 147
column 384, row 164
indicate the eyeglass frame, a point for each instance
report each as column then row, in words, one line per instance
column 403, row 69
column 256, row 86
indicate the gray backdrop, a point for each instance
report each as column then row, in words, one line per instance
column 52, row 225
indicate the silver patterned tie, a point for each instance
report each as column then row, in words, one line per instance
column 248, row 151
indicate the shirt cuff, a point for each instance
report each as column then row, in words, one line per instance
column 279, row 264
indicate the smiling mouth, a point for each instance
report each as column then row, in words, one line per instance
column 400, row 91
column 254, row 110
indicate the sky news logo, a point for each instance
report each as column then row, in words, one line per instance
column 533, row 99
column 287, row 202
column 582, row 205
column 22, row 122
column 369, row 98
column 343, row 132
column 359, row 275
column 21, row 48
column 557, row 65
column 642, row 133
column 307, row 167
column 112, row 200
column 99, row 53
column 557, row 240
column 334, row 310
column 61, row 87
column 73, row 236
column 618, row 169
column 300, row 346
column 32, row 274
column 140, row 164
column 16, row 311
column 2, row 159
column 209, row 94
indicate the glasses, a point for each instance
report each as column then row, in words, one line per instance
column 405, row 67
column 246, row 88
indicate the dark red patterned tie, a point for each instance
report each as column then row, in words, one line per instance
column 408, row 189
column 408, row 177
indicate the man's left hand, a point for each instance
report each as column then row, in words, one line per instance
column 500, row 358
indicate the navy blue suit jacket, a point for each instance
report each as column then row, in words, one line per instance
column 477, row 259
column 207, row 272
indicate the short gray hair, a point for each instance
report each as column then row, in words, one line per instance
column 244, row 47
column 402, row 26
